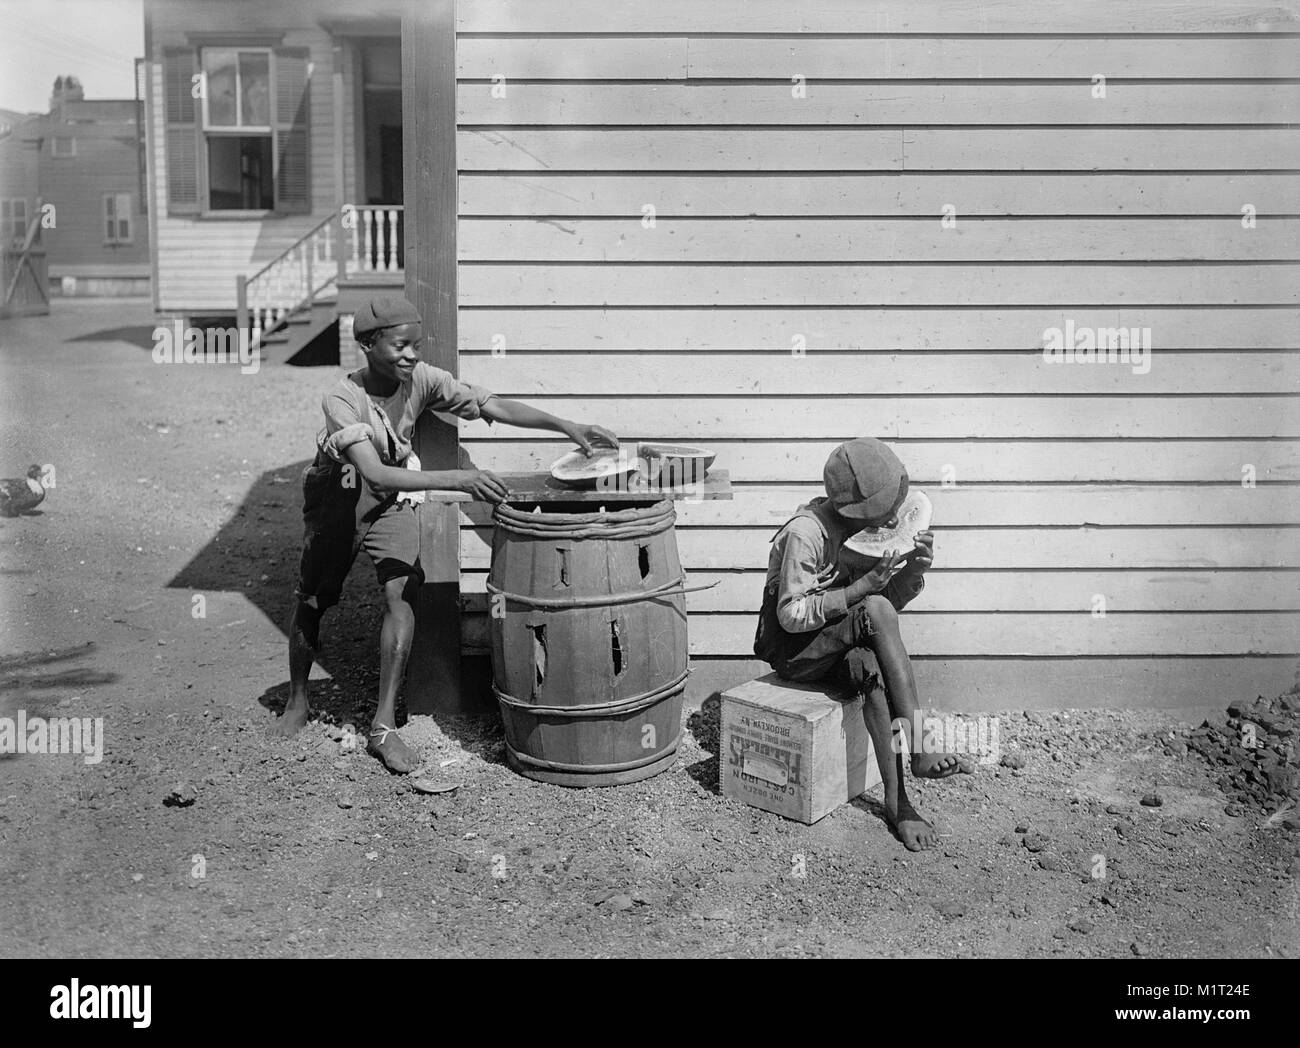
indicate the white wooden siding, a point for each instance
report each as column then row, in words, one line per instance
column 815, row 222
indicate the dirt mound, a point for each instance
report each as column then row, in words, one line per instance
column 1253, row 750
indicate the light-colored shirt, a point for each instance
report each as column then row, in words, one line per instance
column 352, row 415
column 801, row 554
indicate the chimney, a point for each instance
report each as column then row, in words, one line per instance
column 66, row 89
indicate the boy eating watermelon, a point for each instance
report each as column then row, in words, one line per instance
column 818, row 622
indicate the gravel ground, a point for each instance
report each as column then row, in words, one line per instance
column 200, row 835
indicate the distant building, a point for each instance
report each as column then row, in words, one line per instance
column 275, row 158
column 11, row 118
column 83, row 159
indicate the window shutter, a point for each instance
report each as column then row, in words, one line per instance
column 181, row 137
column 292, row 116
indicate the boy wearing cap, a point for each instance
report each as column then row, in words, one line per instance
column 361, row 491
column 818, row 623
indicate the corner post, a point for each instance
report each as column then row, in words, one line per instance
column 336, row 230
column 241, row 305
column 433, row 683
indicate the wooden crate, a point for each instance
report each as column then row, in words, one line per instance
column 799, row 750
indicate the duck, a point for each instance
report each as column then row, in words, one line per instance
column 23, row 495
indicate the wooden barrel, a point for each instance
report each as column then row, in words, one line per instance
column 588, row 628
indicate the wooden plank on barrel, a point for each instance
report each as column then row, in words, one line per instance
column 542, row 487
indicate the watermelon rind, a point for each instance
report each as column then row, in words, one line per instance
column 914, row 515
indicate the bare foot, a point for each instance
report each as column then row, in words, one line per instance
column 940, row 765
column 915, row 833
column 291, row 720
column 384, row 743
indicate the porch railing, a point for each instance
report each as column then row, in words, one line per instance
column 358, row 240
column 25, row 276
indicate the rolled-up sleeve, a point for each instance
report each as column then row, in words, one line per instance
column 343, row 426
column 442, row 391
column 800, row 605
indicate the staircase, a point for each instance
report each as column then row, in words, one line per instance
column 298, row 295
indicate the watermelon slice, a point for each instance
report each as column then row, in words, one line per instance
column 607, row 467
column 669, row 464
column 913, row 516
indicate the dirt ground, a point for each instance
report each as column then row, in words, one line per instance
column 177, row 481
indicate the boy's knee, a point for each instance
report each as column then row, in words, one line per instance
column 401, row 591
column 878, row 611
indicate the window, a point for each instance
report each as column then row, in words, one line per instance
column 237, row 126
column 241, row 141
column 237, row 90
column 117, row 218
column 13, row 219
column 63, row 145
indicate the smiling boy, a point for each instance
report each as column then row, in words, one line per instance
column 819, row 623
column 362, row 489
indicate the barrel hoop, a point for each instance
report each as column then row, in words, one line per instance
column 621, row 516
column 669, row 589
column 599, row 709
column 594, row 531
column 591, row 769
column 620, row 524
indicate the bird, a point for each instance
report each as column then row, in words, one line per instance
column 23, row 495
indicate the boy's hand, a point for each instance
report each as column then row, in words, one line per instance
column 922, row 556
column 828, row 578
column 874, row 581
column 483, row 484
column 588, row 438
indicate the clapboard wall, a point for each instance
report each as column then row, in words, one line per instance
column 798, row 287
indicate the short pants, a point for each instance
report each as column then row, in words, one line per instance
column 339, row 519
column 837, row 653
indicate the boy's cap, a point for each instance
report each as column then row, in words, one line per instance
column 384, row 311
column 864, row 478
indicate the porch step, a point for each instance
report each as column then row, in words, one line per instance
column 299, row 330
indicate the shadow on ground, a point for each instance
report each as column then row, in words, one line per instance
column 35, row 681
column 706, row 725
column 140, row 335
column 256, row 553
